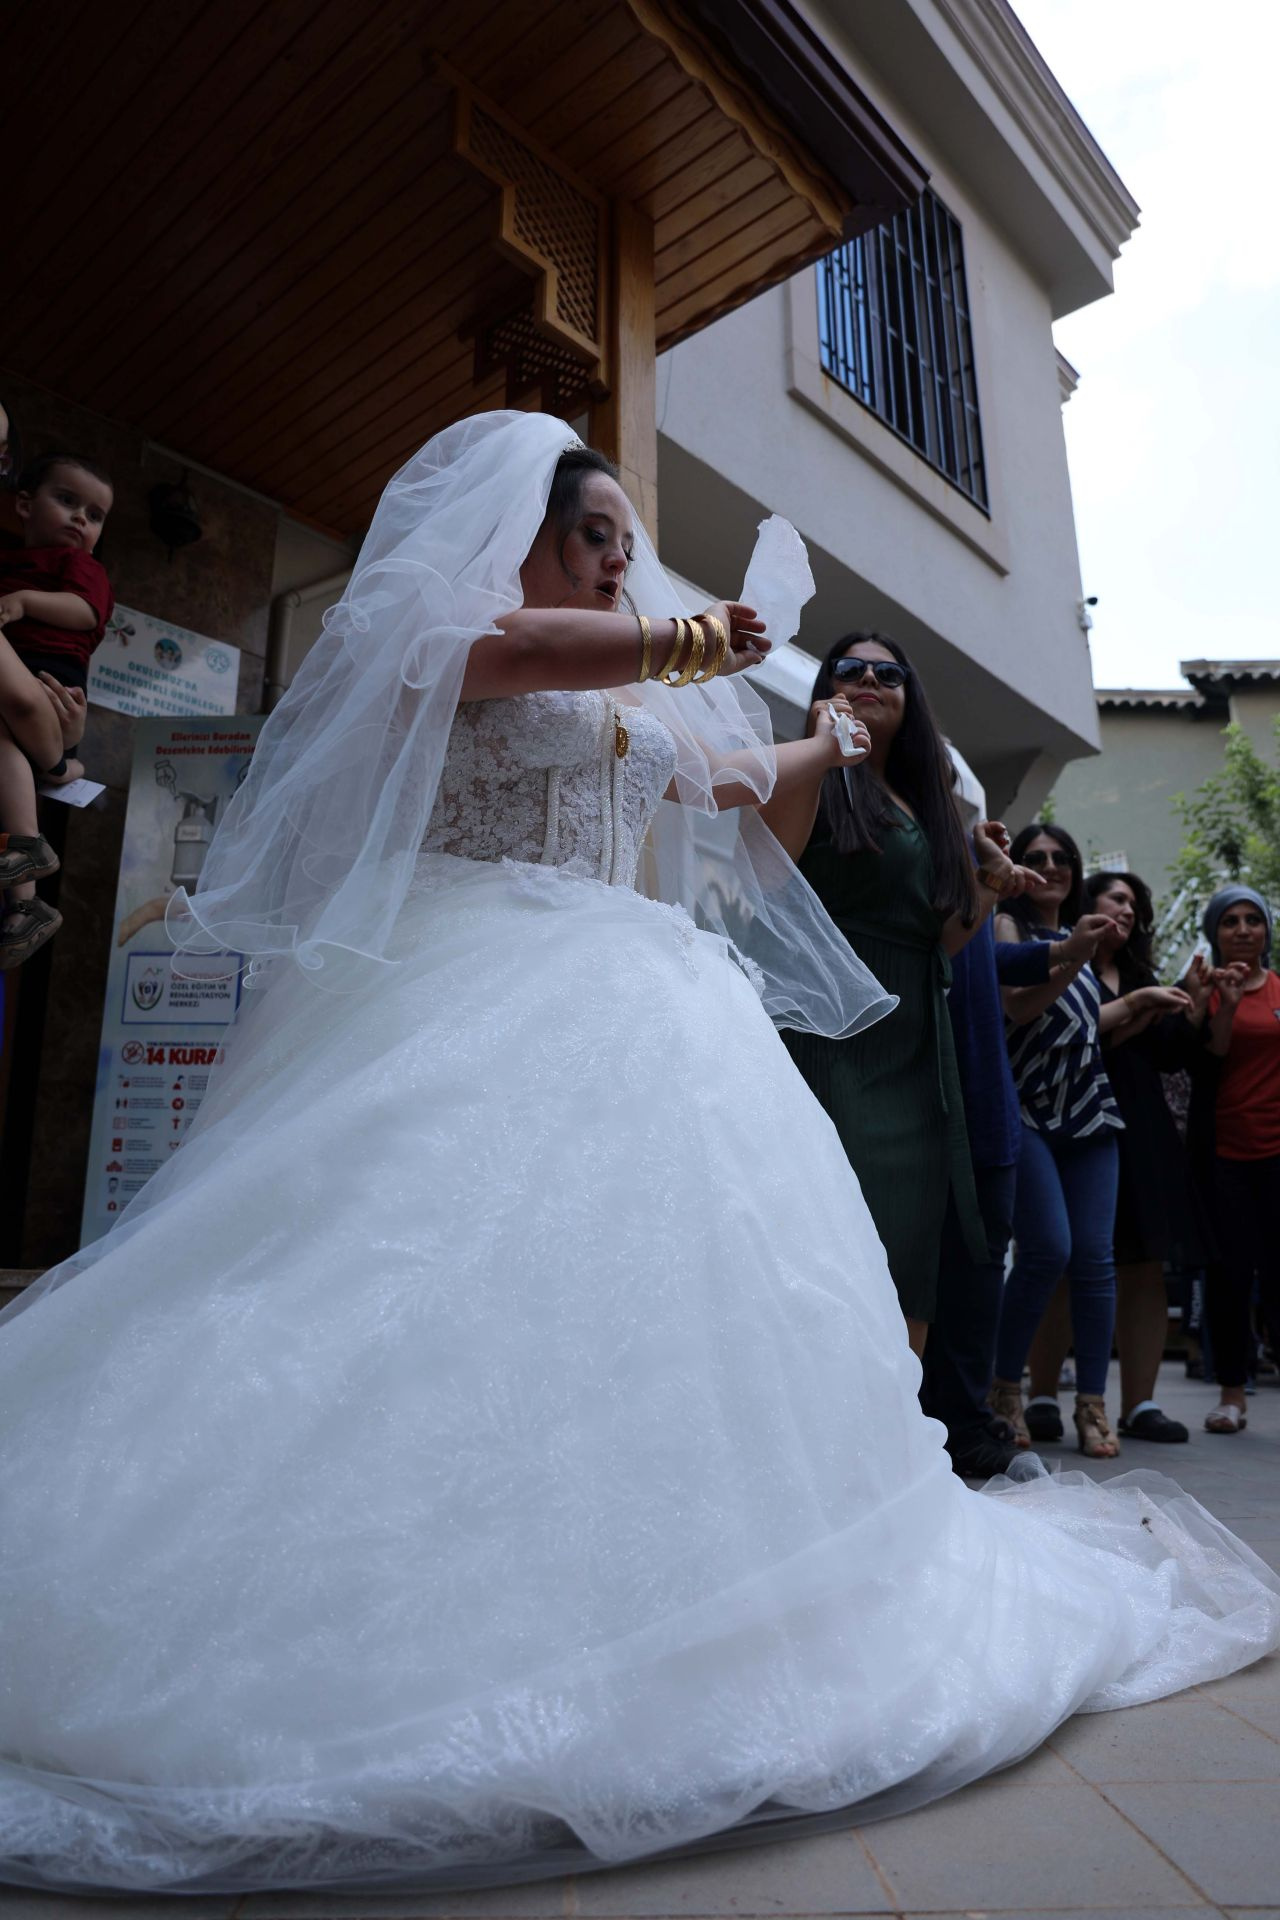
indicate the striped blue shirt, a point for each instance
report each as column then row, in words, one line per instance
column 1062, row 1083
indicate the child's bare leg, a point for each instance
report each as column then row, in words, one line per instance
column 18, row 813
column 70, row 704
column 28, row 711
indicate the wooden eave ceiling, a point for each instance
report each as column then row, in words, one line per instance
column 253, row 242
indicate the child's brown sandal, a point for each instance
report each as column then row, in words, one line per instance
column 25, row 856
column 24, row 928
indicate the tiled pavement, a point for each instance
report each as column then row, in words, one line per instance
column 1165, row 1811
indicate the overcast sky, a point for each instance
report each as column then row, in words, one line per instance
column 1174, row 431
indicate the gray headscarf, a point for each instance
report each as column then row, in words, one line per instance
column 1225, row 898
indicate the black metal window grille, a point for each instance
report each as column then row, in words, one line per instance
column 894, row 328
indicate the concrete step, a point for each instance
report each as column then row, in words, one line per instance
column 14, row 1279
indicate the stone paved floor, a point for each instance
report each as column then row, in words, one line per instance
column 1166, row 1811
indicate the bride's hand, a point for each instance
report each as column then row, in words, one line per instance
column 748, row 644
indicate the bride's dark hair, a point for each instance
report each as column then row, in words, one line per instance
column 564, row 502
column 856, row 811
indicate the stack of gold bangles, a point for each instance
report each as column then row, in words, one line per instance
column 688, row 634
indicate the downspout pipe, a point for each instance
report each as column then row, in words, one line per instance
column 284, row 610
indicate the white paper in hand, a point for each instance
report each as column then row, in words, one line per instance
column 778, row 581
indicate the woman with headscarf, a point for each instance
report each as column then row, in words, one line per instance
column 489, row 1448
column 1244, row 1035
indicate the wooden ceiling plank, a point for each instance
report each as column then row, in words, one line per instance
column 104, row 119
column 421, row 346
column 353, row 346
column 168, row 224
column 355, row 502
column 238, row 259
column 607, row 148
column 612, row 99
column 630, row 137
column 415, row 400
column 688, row 136
column 690, row 169
column 725, row 256
column 427, row 329
column 542, row 98
column 732, row 186
column 723, row 278
column 140, row 175
column 255, row 384
column 32, row 46
column 435, row 309
column 293, row 168
column 416, row 382
column 531, row 37
column 754, row 212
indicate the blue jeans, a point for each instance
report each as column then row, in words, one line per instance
column 1064, row 1214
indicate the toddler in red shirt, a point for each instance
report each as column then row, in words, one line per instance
column 55, row 601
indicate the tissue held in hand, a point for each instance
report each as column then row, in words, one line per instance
column 778, row 581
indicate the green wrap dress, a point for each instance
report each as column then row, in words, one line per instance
column 893, row 1091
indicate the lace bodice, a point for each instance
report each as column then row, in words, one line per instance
column 540, row 778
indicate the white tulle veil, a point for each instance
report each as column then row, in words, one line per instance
column 317, row 850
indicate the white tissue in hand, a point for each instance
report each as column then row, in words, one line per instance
column 778, row 581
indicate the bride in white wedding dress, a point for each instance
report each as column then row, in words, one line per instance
column 491, row 1447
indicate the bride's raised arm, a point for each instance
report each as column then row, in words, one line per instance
column 585, row 643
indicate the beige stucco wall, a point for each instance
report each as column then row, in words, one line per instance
column 1256, row 709
column 988, row 607
column 1123, row 798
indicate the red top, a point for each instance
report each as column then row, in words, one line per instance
column 1249, row 1090
column 56, row 570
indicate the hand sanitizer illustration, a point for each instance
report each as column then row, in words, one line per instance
column 193, row 832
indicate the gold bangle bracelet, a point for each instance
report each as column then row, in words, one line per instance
column 646, row 647
column 670, row 672
column 721, row 638
column 697, row 645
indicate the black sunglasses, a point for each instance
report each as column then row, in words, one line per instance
column 888, row 673
column 1037, row 858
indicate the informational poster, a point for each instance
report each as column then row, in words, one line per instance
column 160, row 1032
column 146, row 666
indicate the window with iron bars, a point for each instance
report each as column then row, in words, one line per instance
column 894, row 328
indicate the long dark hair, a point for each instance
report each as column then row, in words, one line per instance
column 1024, row 909
column 1134, row 960
column 13, row 459
column 857, row 812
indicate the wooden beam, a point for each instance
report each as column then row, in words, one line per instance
column 624, row 424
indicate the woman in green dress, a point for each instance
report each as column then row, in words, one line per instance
column 887, row 855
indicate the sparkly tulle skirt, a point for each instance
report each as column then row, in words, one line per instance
column 492, row 1448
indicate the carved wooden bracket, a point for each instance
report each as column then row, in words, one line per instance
column 554, row 226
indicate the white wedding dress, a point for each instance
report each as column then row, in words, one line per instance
column 494, row 1448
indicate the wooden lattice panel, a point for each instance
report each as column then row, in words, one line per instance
column 550, row 223
column 535, row 365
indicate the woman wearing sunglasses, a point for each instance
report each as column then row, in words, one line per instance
column 887, row 856
column 1068, row 1166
